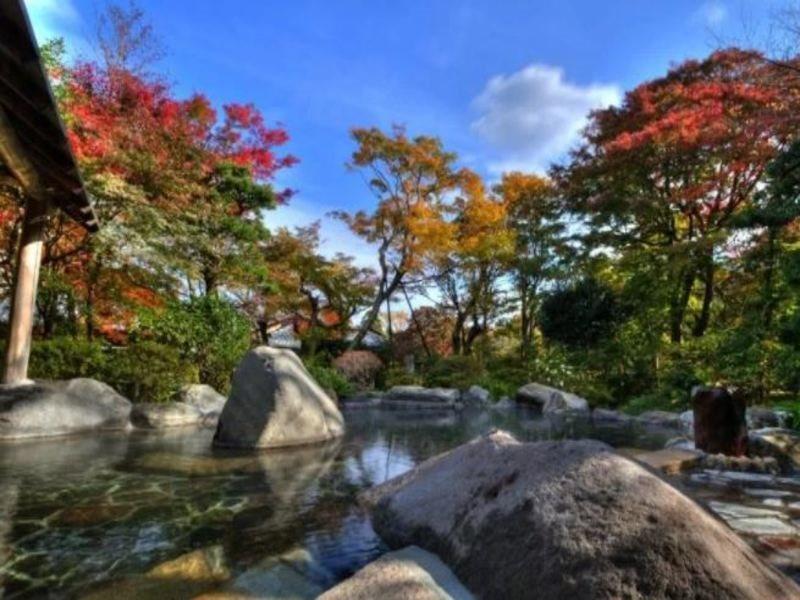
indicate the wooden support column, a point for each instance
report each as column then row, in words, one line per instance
column 23, row 302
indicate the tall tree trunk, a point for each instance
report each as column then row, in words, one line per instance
column 679, row 302
column 416, row 322
column 701, row 325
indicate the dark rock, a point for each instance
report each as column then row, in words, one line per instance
column 551, row 400
column 719, row 421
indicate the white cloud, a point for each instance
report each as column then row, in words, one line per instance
column 532, row 117
column 53, row 18
column 710, row 14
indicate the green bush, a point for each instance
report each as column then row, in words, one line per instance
column 452, row 372
column 329, row 378
column 142, row 371
column 67, row 357
column 397, row 375
column 148, row 372
column 206, row 331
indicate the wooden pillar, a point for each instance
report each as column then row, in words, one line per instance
column 23, row 302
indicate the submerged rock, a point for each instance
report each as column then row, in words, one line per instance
column 407, row 574
column 182, row 577
column 550, row 399
column 52, row 408
column 274, row 402
column 165, row 415
column 566, row 519
column 670, row 461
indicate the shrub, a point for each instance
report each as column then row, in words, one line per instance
column 359, row 367
column 329, row 378
column 398, row 376
column 143, row 371
column 452, row 372
column 206, row 331
column 67, row 357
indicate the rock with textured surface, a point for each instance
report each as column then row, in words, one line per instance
column 604, row 415
column 550, row 399
column 505, row 403
column 53, row 408
column 165, row 414
column 476, row 396
column 567, row 519
column 782, row 444
column 274, row 402
column 670, row 461
column 407, row 574
column 203, row 397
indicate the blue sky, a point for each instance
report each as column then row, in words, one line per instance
column 505, row 84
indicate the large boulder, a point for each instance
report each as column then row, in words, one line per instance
column 415, row 396
column 407, row 574
column 551, row 400
column 274, row 402
column 163, row 415
column 662, row 419
column 568, row 519
column 52, row 408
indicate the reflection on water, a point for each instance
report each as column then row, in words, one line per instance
column 79, row 512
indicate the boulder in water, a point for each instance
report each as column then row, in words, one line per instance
column 551, row 400
column 274, row 402
column 52, row 408
column 162, row 415
column 568, row 519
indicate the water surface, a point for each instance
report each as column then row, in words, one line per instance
column 80, row 512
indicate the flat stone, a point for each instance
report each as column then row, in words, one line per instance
column 165, row 415
column 550, row 399
column 670, row 461
column 611, row 416
column 56, row 408
column 419, row 397
column 407, row 574
column 762, row 526
column 660, row 418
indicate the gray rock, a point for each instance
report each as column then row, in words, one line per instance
column 275, row 402
column 604, row 415
column 781, row 444
column 661, row 418
column 203, row 397
column 550, row 399
column 759, row 417
column 370, row 399
column 166, row 414
column 566, row 519
column 292, row 575
column 476, row 396
column 415, row 396
column 52, row 408
column 681, row 443
column 407, row 574
column 687, row 421
column 751, row 520
column 505, row 403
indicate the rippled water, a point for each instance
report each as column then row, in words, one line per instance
column 75, row 513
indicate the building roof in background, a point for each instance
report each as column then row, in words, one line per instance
column 33, row 141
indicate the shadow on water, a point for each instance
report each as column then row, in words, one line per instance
column 78, row 513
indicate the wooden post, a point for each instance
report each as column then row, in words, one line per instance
column 23, row 302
